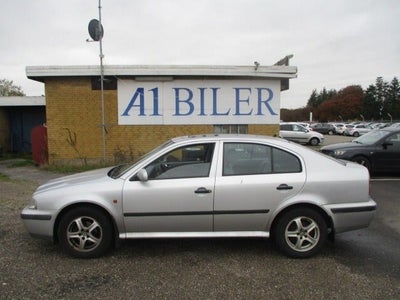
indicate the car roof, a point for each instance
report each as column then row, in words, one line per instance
column 225, row 136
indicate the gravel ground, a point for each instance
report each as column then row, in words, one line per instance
column 167, row 269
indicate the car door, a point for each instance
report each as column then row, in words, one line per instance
column 286, row 131
column 301, row 133
column 178, row 195
column 387, row 155
column 252, row 180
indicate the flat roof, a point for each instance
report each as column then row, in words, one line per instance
column 283, row 73
column 23, row 101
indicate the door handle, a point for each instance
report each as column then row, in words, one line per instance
column 202, row 190
column 284, row 186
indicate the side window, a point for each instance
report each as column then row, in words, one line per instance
column 284, row 162
column 394, row 140
column 297, row 128
column 185, row 162
column 253, row 159
column 286, row 127
column 246, row 159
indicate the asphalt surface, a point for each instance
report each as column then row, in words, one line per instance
column 363, row 264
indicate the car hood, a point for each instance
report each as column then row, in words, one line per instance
column 76, row 179
column 344, row 146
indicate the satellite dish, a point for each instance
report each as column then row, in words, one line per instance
column 96, row 30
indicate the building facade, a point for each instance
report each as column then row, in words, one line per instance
column 18, row 116
column 135, row 108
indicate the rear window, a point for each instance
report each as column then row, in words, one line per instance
column 253, row 159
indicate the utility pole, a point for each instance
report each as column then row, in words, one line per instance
column 96, row 32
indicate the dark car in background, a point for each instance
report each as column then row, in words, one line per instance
column 378, row 150
column 324, row 128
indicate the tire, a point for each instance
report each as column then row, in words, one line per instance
column 314, row 142
column 85, row 232
column 330, row 132
column 356, row 134
column 362, row 160
column 300, row 233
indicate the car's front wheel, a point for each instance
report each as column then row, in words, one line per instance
column 85, row 232
column 300, row 232
column 314, row 142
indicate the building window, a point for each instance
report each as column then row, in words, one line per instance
column 230, row 129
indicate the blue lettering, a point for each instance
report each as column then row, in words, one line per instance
column 265, row 102
column 215, row 108
column 155, row 102
column 202, row 112
column 139, row 93
column 188, row 101
column 238, row 101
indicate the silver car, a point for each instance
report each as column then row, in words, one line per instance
column 297, row 133
column 207, row 186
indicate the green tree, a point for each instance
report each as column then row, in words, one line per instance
column 7, row 88
column 393, row 98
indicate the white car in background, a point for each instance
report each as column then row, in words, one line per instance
column 357, row 130
column 297, row 133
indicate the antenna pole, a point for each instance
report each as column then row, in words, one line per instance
column 103, row 125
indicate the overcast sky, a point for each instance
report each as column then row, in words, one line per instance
column 334, row 43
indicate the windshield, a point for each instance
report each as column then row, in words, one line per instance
column 121, row 169
column 371, row 137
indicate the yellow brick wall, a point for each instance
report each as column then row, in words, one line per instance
column 73, row 112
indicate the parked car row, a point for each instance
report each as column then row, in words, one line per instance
column 349, row 129
column 377, row 150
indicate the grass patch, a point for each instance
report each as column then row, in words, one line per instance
column 22, row 163
column 4, row 177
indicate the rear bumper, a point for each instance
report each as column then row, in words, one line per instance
column 352, row 216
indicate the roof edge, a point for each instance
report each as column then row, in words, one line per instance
column 37, row 72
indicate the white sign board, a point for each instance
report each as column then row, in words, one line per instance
column 189, row 102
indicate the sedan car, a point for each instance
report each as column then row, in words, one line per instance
column 378, row 150
column 297, row 133
column 206, row 187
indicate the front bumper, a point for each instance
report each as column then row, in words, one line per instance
column 38, row 223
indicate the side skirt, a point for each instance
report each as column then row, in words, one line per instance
column 217, row 234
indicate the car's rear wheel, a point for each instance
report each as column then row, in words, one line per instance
column 330, row 132
column 300, row 232
column 85, row 232
column 314, row 142
column 362, row 161
column 356, row 134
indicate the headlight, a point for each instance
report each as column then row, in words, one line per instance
column 32, row 204
column 339, row 152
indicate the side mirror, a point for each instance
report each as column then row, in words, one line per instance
column 142, row 175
